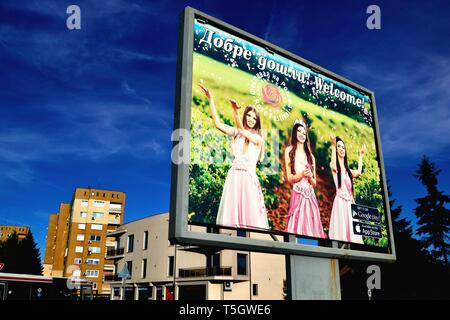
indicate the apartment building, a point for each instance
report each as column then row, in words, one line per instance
column 77, row 238
column 7, row 231
column 160, row 271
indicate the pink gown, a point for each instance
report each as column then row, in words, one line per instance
column 304, row 213
column 341, row 221
column 242, row 201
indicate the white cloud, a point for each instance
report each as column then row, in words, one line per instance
column 413, row 104
column 133, row 55
column 284, row 28
column 86, row 131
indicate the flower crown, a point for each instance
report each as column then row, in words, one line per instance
column 300, row 122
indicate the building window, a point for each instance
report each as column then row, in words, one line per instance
column 242, row 264
column 115, row 206
column 96, row 226
column 145, row 241
column 171, row 265
column 76, row 273
column 78, row 249
column 94, row 237
column 213, row 263
column 94, row 286
column 241, row 233
column 98, row 215
column 144, row 268
column 255, row 289
column 95, row 249
column 130, row 243
column 77, row 261
column 84, row 203
column 130, row 268
column 212, row 230
column 93, row 261
column 81, row 226
column 99, row 204
column 80, row 237
column 83, row 214
column 92, row 273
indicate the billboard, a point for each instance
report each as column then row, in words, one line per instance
column 274, row 144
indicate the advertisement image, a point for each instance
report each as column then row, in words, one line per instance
column 278, row 146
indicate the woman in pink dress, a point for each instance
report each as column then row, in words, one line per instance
column 341, row 220
column 304, row 213
column 242, row 201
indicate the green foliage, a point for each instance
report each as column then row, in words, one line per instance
column 21, row 256
column 432, row 214
column 268, row 183
column 205, row 191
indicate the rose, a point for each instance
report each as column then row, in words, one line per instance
column 271, row 95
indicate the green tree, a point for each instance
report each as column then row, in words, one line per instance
column 8, row 253
column 30, row 257
column 400, row 278
column 433, row 217
column 21, row 256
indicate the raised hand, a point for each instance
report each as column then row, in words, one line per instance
column 234, row 104
column 333, row 139
column 205, row 91
column 363, row 150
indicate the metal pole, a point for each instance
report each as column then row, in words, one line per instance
column 174, row 271
column 122, row 291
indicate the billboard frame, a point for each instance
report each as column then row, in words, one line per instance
column 179, row 199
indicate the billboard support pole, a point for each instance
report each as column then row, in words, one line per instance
column 312, row 278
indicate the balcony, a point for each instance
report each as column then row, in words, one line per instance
column 112, row 278
column 109, row 265
column 114, row 221
column 115, row 253
column 204, row 272
column 115, row 233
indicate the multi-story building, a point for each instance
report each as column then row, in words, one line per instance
column 7, row 231
column 77, row 238
column 161, row 271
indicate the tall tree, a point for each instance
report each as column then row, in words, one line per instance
column 433, row 217
column 398, row 277
column 30, row 256
column 399, row 280
column 10, row 249
column 21, row 256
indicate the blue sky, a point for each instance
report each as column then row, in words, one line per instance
column 94, row 107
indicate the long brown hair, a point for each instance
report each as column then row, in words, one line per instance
column 257, row 126
column 338, row 166
column 306, row 147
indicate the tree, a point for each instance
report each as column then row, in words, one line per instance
column 30, row 256
column 400, row 278
column 21, row 256
column 433, row 217
column 9, row 251
column 411, row 276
